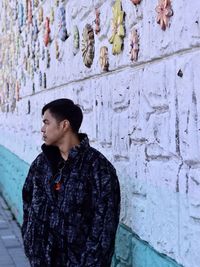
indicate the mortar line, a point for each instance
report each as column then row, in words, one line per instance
column 135, row 66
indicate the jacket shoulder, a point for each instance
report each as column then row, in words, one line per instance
column 38, row 160
column 97, row 158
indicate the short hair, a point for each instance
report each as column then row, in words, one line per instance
column 64, row 108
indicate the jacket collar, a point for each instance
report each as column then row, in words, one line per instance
column 54, row 157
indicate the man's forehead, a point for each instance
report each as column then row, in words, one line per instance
column 47, row 115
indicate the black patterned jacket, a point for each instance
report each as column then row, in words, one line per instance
column 76, row 225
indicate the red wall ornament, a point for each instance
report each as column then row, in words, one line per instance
column 135, row 2
column 47, row 32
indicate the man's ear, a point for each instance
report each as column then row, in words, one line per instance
column 66, row 125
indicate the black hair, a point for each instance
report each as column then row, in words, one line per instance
column 64, row 108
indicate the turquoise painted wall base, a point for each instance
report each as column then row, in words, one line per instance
column 130, row 250
column 13, row 172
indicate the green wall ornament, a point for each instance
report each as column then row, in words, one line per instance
column 57, row 2
column 118, row 31
column 57, row 50
column 40, row 79
column 36, row 3
column 45, row 80
column 76, row 39
column 48, row 59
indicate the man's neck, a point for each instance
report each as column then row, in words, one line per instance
column 67, row 144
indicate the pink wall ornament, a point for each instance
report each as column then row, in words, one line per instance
column 26, row 10
column 30, row 14
column 164, row 11
column 134, row 43
column 97, row 21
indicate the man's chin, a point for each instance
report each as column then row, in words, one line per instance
column 48, row 143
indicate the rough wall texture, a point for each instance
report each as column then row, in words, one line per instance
column 144, row 115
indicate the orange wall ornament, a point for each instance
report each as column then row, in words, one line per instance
column 47, row 32
column 17, row 89
column 30, row 14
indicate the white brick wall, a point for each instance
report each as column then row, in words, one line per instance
column 142, row 116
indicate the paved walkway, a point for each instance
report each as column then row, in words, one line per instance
column 11, row 248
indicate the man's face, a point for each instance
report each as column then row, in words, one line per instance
column 52, row 130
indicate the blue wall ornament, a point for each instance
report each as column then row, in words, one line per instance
column 62, row 31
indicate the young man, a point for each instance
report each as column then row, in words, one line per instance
column 71, row 196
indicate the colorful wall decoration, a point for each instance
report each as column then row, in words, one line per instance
column 29, row 46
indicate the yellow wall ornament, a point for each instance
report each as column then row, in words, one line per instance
column 118, row 31
column 52, row 15
column 104, row 61
column 40, row 15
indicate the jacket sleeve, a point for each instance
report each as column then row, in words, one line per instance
column 27, row 191
column 106, row 209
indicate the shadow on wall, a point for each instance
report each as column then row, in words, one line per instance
column 13, row 172
column 130, row 250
